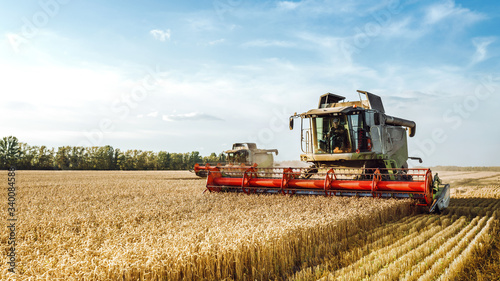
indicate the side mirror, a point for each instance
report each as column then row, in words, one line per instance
column 290, row 124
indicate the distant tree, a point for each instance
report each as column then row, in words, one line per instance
column 120, row 159
column 91, row 158
column 104, row 158
column 176, row 162
column 76, row 158
column 27, row 156
column 45, row 159
column 146, row 160
column 9, row 151
column 152, row 160
column 212, row 158
column 135, row 160
column 186, row 160
column 86, row 159
column 62, row 160
column 163, row 159
column 140, row 160
column 194, row 158
column 116, row 159
column 221, row 158
column 126, row 160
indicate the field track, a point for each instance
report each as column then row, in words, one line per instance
column 117, row 225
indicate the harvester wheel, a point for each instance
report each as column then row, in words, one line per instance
column 309, row 172
column 402, row 175
column 202, row 173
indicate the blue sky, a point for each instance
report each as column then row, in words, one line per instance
column 200, row 75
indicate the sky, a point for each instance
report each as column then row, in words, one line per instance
column 201, row 75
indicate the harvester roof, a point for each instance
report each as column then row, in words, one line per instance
column 249, row 146
column 332, row 104
column 331, row 111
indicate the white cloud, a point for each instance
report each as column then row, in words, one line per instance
column 215, row 42
column 161, row 35
column 338, row 50
column 153, row 114
column 192, row 116
column 55, row 85
column 288, row 5
column 448, row 10
column 201, row 23
column 268, row 43
column 402, row 29
column 481, row 44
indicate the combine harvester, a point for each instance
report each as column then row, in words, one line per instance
column 240, row 156
column 355, row 150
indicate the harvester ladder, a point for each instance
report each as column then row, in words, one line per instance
column 390, row 165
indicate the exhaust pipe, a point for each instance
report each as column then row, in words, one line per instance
column 389, row 120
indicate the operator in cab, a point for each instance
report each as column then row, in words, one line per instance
column 338, row 137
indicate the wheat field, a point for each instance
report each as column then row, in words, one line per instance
column 160, row 225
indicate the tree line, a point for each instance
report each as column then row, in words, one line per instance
column 26, row 157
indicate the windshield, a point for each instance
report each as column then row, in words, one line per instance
column 339, row 134
column 237, row 157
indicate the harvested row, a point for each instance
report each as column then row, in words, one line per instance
column 458, row 263
column 437, row 250
column 492, row 191
column 361, row 244
column 420, row 268
column 394, row 270
column 371, row 264
column 479, row 204
column 440, row 264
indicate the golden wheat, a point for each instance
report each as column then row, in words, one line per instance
column 160, row 225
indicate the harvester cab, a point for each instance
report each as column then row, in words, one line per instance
column 355, row 134
column 354, row 149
